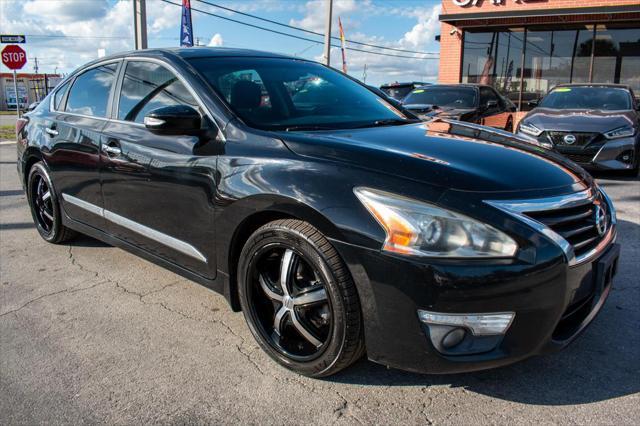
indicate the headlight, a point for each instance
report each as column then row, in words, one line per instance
column 530, row 129
column 417, row 228
column 620, row 132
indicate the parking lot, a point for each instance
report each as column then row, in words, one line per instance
column 90, row 333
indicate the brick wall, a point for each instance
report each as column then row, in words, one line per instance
column 448, row 7
column 451, row 44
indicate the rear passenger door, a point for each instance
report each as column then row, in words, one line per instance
column 79, row 114
column 159, row 190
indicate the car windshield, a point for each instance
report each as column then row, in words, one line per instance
column 397, row 92
column 457, row 97
column 603, row 98
column 287, row 94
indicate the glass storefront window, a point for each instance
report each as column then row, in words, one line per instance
column 617, row 56
column 494, row 58
column 552, row 56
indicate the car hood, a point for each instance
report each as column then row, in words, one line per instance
column 445, row 153
column 574, row 120
column 430, row 111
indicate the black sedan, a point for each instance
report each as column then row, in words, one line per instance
column 335, row 223
column 595, row 125
column 466, row 102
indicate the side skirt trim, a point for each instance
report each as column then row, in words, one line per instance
column 138, row 228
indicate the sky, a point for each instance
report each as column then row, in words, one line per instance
column 64, row 34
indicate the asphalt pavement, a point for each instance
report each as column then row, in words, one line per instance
column 92, row 334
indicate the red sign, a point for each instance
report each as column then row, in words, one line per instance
column 13, row 57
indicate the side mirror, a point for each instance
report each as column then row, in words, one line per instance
column 492, row 104
column 173, row 120
column 533, row 102
column 32, row 106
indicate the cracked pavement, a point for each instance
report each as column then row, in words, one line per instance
column 92, row 334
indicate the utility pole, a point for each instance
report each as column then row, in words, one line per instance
column 364, row 74
column 327, row 32
column 140, row 23
column 35, row 65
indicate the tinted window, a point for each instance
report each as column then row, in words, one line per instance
column 59, row 96
column 283, row 93
column 603, row 98
column 89, row 94
column 148, row 86
column 457, row 97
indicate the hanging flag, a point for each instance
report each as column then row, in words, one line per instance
column 186, row 29
column 342, row 47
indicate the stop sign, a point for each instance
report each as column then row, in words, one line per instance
column 13, row 57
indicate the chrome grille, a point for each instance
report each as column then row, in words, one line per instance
column 582, row 224
column 576, row 224
column 579, row 138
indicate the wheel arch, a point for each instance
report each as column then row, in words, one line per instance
column 31, row 156
column 278, row 208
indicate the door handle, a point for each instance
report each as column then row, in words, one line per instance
column 51, row 132
column 111, row 150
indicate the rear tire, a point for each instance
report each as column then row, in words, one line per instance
column 44, row 205
column 308, row 317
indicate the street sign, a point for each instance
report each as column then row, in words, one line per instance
column 14, row 57
column 12, row 38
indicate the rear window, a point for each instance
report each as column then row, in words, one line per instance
column 457, row 97
column 602, row 98
column 59, row 96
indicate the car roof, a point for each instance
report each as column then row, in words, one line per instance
column 453, row 85
column 404, row 83
column 189, row 53
column 618, row 86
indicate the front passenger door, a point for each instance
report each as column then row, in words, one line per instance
column 493, row 109
column 158, row 190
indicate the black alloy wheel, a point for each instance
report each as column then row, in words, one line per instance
column 45, row 209
column 299, row 300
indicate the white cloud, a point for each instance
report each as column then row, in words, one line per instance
column 315, row 12
column 216, row 41
column 67, row 10
column 425, row 30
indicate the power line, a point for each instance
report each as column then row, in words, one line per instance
column 282, row 24
column 292, row 35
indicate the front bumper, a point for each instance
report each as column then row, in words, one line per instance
column 553, row 304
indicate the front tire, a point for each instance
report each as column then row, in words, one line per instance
column 299, row 300
column 44, row 205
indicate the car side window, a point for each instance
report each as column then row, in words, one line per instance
column 148, row 86
column 59, row 96
column 89, row 94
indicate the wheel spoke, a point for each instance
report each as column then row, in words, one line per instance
column 314, row 296
column 300, row 327
column 47, row 215
column 267, row 289
column 287, row 267
column 46, row 196
column 279, row 319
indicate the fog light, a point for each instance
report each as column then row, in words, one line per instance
column 453, row 338
column 478, row 324
column 626, row 157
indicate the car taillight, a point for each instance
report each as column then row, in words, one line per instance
column 20, row 123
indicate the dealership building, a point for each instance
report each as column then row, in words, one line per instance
column 525, row 47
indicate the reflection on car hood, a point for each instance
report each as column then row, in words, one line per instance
column 579, row 120
column 445, row 153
